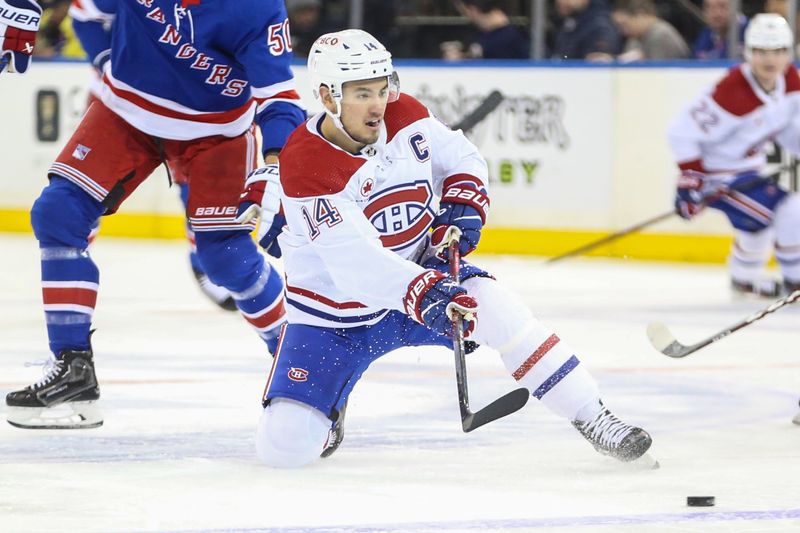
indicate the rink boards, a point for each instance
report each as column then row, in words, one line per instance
column 574, row 152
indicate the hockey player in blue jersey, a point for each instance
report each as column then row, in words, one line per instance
column 364, row 273
column 93, row 29
column 183, row 84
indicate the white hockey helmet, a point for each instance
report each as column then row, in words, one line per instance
column 349, row 55
column 768, row 31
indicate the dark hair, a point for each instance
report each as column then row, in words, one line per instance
column 485, row 6
column 636, row 7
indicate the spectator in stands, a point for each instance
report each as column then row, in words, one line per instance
column 379, row 21
column 712, row 43
column 306, row 23
column 497, row 37
column 647, row 35
column 586, row 31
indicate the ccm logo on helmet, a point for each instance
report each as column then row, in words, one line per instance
column 333, row 41
column 298, row 374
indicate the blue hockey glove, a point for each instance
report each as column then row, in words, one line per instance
column 432, row 298
column 18, row 27
column 261, row 198
column 694, row 192
column 268, row 235
column 465, row 206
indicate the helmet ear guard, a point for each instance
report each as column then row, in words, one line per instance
column 394, row 87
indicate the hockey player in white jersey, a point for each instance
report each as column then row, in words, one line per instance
column 363, row 184
column 718, row 141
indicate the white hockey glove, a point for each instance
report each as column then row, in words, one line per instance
column 261, row 198
column 18, row 26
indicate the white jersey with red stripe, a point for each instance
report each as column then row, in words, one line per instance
column 358, row 224
column 186, row 69
column 724, row 130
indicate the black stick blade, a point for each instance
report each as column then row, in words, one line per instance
column 503, row 406
column 489, row 104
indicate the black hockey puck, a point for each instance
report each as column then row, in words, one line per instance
column 700, row 501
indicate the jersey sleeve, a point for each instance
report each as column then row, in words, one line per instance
column 702, row 121
column 92, row 21
column 266, row 54
column 454, row 156
column 350, row 249
column 789, row 137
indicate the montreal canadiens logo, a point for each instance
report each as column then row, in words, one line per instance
column 298, row 374
column 402, row 214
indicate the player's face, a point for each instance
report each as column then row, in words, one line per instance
column 767, row 65
column 363, row 105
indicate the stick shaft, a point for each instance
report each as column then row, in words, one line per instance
column 612, row 237
column 641, row 225
column 458, row 335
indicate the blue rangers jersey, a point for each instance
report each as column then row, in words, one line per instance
column 186, row 69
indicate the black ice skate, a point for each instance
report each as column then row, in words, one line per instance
column 335, row 435
column 610, row 436
column 219, row 295
column 63, row 399
column 796, row 419
column 764, row 288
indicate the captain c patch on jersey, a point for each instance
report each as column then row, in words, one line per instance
column 402, row 214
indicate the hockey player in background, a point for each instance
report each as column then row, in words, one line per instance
column 362, row 185
column 93, row 29
column 183, row 84
column 19, row 22
column 718, row 141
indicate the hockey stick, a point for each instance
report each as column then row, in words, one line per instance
column 641, row 225
column 503, row 406
column 612, row 237
column 665, row 342
column 489, row 104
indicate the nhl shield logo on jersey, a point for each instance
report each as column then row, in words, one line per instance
column 402, row 214
column 298, row 374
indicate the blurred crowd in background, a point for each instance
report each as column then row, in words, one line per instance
column 460, row 30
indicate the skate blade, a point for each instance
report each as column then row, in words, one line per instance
column 70, row 415
column 796, row 419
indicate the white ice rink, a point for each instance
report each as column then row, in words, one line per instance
column 181, row 382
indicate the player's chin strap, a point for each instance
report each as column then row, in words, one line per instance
column 337, row 117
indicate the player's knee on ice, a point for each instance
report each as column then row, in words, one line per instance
column 64, row 215
column 290, row 434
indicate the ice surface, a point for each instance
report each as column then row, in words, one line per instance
column 181, row 382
